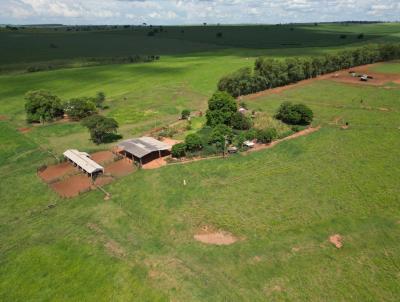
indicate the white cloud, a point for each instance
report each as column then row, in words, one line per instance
column 194, row 11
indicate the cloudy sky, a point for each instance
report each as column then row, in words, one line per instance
column 194, row 11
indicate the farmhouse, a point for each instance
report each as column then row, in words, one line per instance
column 83, row 161
column 143, row 149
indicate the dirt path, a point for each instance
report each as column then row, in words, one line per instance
column 341, row 76
column 304, row 132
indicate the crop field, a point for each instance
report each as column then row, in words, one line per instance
column 281, row 204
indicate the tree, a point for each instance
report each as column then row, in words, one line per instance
column 241, row 122
column 220, row 134
column 42, row 106
column 79, row 108
column 298, row 114
column 178, row 150
column 100, row 128
column 185, row 114
column 266, row 136
column 221, row 107
column 193, row 142
column 99, row 99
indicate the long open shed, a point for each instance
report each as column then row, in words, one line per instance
column 144, row 149
column 83, row 161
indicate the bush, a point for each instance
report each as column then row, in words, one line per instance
column 42, row 106
column 266, row 136
column 297, row 114
column 221, row 107
column 99, row 99
column 193, row 142
column 241, row 122
column 185, row 114
column 178, row 150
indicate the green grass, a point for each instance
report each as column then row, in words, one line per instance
column 283, row 203
column 388, row 68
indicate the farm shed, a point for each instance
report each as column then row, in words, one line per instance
column 144, row 149
column 83, row 161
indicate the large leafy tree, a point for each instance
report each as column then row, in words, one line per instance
column 100, row 128
column 193, row 142
column 42, row 106
column 221, row 107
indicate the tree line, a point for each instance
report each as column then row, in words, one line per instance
column 270, row 73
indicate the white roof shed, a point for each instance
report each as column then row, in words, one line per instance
column 83, row 160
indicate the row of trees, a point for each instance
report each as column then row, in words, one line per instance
column 44, row 106
column 269, row 73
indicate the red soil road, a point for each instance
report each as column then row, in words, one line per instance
column 102, row 157
column 52, row 173
column 304, row 132
column 72, row 186
column 120, row 168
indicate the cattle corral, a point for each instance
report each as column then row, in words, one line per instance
column 69, row 181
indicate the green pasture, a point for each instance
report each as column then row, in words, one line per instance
column 282, row 203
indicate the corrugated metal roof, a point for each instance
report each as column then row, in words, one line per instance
column 142, row 146
column 83, row 160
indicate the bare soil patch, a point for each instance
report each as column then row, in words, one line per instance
column 24, row 130
column 3, row 117
column 170, row 141
column 155, row 164
column 72, row 186
column 55, row 172
column 208, row 236
column 120, row 168
column 103, row 180
column 103, row 157
column 336, row 240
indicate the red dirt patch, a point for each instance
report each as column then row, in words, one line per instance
column 208, row 236
column 72, row 186
column 3, row 117
column 103, row 180
column 120, row 168
column 103, row 157
column 171, row 141
column 55, row 172
column 155, row 164
column 336, row 240
column 24, row 130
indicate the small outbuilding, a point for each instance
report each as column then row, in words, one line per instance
column 83, row 161
column 144, row 149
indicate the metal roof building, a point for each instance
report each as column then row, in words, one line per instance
column 142, row 147
column 83, row 161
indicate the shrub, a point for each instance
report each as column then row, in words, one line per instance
column 99, row 99
column 178, row 150
column 185, row 114
column 266, row 136
column 193, row 142
column 221, row 107
column 298, row 114
column 42, row 106
column 241, row 122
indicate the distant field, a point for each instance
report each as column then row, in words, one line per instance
column 282, row 203
column 34, row 45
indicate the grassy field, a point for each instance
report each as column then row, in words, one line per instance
column 282, row 203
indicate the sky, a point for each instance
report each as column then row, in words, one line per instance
column 169, row 12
